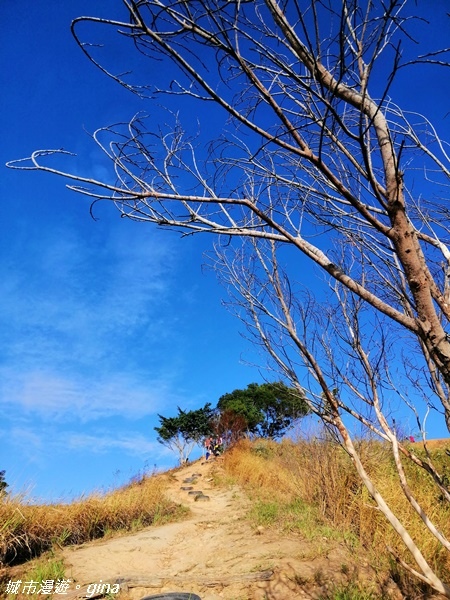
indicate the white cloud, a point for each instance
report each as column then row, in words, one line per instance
column 86, row 330
column 52, row 396
column 84, row 295
column 28, row 438
column 131, row 443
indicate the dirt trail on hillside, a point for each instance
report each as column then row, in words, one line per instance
column 215, row 553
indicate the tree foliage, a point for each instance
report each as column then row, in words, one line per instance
column 268, row 409
column 182, row 432
column 3, row 484
column 229, row 425
column 317, row 165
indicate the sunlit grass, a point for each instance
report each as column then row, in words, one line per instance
column 27, row 530
column 349, row 591
column 308, row 488
column 311, row 488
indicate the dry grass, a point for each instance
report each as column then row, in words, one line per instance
column 309, row 487
column 312, row 485
column 27, row 530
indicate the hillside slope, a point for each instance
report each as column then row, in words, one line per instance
column 215, row 553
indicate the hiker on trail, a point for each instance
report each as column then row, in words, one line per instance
column 217, row 446
column 208, row 445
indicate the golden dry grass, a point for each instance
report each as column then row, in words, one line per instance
column 27, row 530
column 317, row 478
column 309, row 487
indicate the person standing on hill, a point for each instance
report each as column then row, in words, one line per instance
column 217, row 446
column 208, row 444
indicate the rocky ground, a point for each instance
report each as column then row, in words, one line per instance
column 215, row 553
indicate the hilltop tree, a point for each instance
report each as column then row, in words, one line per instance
column 3, row 484
column 317, row 165
column 268, row 409
column 183, row 432
column 229, row 425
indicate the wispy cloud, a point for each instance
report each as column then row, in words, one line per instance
column 131, row 443
column 105, row 458
column 86, row 330
column 28, row 438
column 83, row 299
column 51, row 396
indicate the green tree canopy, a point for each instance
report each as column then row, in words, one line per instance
column 269, row 408
column 182, row 432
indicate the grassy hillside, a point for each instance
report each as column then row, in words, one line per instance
column 307, row 488
column 312, row 489
column 28, row 530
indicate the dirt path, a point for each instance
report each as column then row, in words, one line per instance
column 215, row 553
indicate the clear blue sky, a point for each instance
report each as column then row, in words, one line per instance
column 103, row 324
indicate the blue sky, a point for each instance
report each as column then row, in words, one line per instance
column 103, row 323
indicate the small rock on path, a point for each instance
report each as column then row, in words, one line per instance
column 215, row 553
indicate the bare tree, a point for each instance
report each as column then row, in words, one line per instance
column 316, row 159
column 348, row 354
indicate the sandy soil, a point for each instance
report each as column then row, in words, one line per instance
column 215, row 553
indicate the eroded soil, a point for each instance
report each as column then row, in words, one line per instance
column 215, row 552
